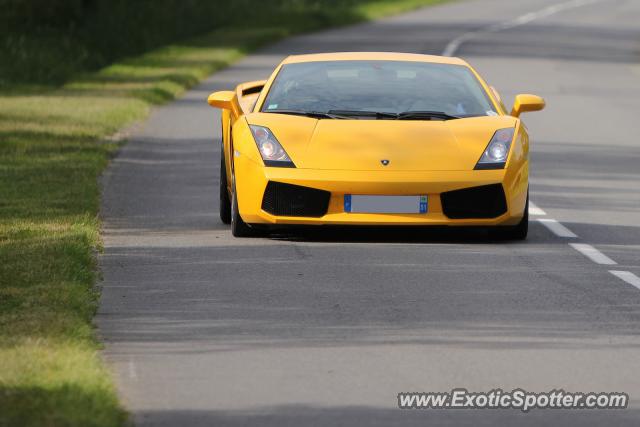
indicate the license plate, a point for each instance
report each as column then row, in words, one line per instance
column 384, row 204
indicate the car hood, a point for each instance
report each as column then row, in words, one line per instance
column 405, row 145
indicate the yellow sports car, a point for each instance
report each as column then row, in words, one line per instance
column 373, row 139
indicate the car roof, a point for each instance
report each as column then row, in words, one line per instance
column 373, row 56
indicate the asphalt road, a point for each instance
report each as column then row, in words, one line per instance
column 326, row 328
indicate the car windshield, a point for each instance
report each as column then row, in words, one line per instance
column 396, row 87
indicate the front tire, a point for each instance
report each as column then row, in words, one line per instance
column 239, row 228
column 516, row 232
column 225, row 202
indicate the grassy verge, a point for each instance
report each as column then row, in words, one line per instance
column 50, row 159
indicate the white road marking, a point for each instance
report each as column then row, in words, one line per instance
column 592, row 253
column 132, row 369
column 627, row 276
column 535, row 210
column 455, row 44
column 557, row 228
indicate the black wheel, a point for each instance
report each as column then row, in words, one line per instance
column 225, row 202
column 516, row 232
column 239, row 228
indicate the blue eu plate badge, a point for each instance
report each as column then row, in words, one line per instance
column 423, row 204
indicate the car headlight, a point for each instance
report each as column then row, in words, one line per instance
column 270, row 149
column 496, row 154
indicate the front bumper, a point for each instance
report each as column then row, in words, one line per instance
column 252, row 179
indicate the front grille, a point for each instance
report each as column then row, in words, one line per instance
column 487, row 201
column 294, row 200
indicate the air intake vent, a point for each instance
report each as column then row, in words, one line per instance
column 487, row 201
column 294, row 200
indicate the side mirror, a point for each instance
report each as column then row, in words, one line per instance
column 226, row 100
column 526, row 102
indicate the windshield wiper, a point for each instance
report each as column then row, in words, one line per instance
column 313, row 114
column 425, row 115
column 347, row 114
column 361, row 113
column 406, row 115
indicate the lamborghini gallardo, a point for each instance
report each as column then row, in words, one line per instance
column 387, row 139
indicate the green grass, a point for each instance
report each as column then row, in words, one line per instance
column 52, row 151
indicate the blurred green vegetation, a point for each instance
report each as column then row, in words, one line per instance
column 49, row 41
